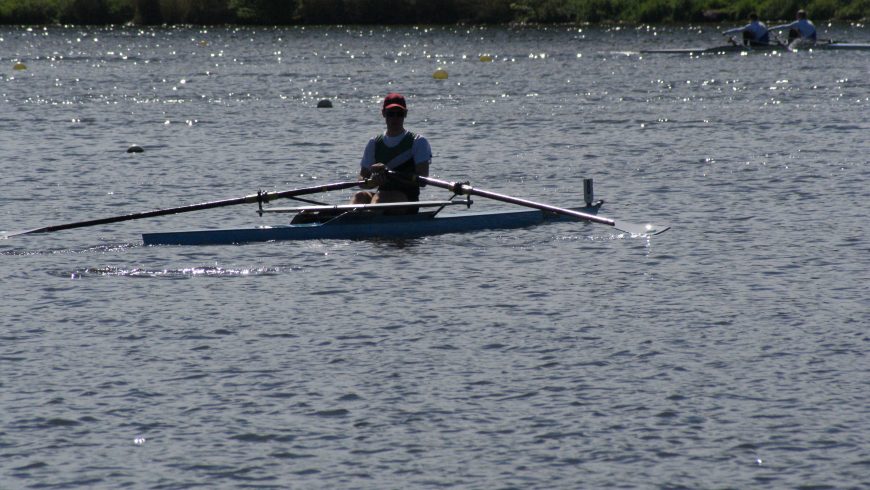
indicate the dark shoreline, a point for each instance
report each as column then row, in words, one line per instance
column 392, row 12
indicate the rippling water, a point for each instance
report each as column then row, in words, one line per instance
column 729, row 352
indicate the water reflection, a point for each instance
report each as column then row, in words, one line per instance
column 182, row 273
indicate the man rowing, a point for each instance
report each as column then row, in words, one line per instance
column 406, row 153
column 801, row 29
column 754, row 33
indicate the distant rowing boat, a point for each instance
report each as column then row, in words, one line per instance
column 763, row 48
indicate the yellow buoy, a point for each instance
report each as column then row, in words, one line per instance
column 440, row 74
column 485, row 58
column 19, row 66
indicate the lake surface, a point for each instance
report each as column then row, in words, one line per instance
column 729, row 352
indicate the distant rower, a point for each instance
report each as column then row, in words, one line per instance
column 755, row 32
column 801, row 29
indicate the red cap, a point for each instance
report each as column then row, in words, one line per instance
column 395, row 100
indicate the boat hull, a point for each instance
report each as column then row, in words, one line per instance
column 845, row 46
column 360, row 227
column 739, row 48
column 729, row 48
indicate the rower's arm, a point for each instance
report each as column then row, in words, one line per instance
column 368, row 159
column 423, row 169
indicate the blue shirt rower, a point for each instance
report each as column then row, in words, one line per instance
column 397, row 149
column 801, row 29
column 755, row 32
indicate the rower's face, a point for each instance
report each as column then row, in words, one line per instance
column 395, row 118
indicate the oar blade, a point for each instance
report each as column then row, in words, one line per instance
column 9, row 234
column 640, row 229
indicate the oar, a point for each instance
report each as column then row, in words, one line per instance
column 260, row 197
column 778, row 40
column 465, row 189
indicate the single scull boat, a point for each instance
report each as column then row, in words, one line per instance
column 365, row 221
column 362, row 221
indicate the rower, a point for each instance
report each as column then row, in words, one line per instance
column 401, row 151
column 754, row 33
column 801, row 29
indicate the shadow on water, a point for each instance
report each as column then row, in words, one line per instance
column 396, row 243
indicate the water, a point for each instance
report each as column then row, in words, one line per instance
column 730, row 351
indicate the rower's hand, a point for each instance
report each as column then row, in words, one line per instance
column 379, row 174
